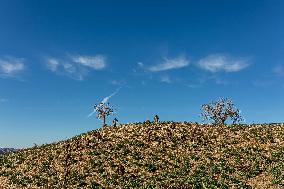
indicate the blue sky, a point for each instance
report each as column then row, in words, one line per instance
column 58, row 58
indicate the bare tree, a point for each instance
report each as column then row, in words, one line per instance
column 103, row 110
column 220, row 111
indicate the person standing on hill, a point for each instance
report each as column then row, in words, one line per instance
column 114, row 122
column 156, row 119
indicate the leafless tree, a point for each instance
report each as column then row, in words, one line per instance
column 103, row 110
column 220, row 111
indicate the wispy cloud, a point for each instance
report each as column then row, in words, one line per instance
column 76, row 66
column 106, row 99
column 217, row 63
column 52, row 64
column 66, row 68
column 97, row 62
column 169, row 64
column 11, row 66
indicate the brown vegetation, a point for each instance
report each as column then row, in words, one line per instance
column 154, row 155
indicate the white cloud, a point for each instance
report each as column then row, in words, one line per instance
column 52, row 64
column 76, row 67
column 97, row 62
column 63, row 67
column 170, row 64
column 216, row 63
column 11, row 66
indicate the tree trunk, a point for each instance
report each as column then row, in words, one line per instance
column 104, row 120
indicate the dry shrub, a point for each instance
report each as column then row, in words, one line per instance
column 220, row 111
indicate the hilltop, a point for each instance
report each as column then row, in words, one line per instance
column 7, row 150
column 154, row 155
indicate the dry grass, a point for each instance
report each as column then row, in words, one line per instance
column 149, row 155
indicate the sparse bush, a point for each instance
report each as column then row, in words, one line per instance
column 220, row 111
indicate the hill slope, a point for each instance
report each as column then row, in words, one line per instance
column 149, row 155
